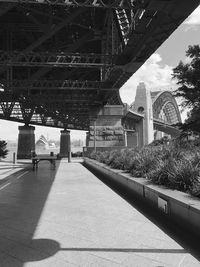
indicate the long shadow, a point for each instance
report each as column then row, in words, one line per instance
column 186, row 239
column 4, row 180
column 10, row 177
column 8, row 167
column 128, row 250
column 21, row 205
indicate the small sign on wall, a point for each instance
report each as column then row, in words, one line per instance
column 163, row 205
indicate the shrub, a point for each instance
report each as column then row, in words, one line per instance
column 195, row 189
column 180, row 174
column 130, row 156
column 163, row 141
column 175, row 164
column 144, row 161
column 3, row 150
column 113, row 158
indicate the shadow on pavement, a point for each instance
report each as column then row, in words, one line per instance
column 128, row 250
column 10, row 171
column 21, row 205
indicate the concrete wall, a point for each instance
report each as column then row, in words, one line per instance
column 177, row 206
column 107, row 130
column 132, row 139
column 88, row 150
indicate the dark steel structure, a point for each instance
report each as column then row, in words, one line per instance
column 62, row 60
column 166, row 113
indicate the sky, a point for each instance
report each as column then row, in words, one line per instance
column 155, row 73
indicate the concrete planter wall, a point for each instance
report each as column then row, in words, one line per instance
column 177, row 206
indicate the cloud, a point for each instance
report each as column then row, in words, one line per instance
column 194, row 18
column 155, row 75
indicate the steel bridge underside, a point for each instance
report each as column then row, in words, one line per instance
column 62, row 61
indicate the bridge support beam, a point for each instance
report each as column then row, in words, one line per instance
column 26, row 142
column 106, row 130
column 65, row 145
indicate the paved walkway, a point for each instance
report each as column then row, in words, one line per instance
column 67, row 217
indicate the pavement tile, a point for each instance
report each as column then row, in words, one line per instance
column 140, row 261
column 67, row 217
column 9, row 261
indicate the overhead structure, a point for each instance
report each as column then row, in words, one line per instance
column 165, row 112
column 150, row 116
column 61, row 61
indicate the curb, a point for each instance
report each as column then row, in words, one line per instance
column 177, row 206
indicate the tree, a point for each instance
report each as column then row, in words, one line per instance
column 3, row 150
column 188, row 80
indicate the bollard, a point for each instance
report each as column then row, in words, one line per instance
column 69, row 156
column 14, row 157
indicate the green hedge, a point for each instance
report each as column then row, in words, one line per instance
column 175, row 165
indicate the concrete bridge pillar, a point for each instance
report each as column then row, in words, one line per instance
column 65, row 144
column 26, row 142
column 143, row 104
column 106, row 131
column 87, row 138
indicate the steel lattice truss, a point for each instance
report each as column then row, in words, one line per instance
column 166, row 113
column 49, row 85
column 165, row 108
column 62, row 60
column 45, row 59
column 84, row 3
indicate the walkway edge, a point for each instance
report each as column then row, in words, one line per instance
column 175, row 205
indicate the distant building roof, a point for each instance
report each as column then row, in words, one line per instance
column 42, row 141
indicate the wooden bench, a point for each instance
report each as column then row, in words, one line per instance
column 37, row 158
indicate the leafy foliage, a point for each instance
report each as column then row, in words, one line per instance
column 162, row 141
column 175, row 164
column 3, row 150
column 188, row 79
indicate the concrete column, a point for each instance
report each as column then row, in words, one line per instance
column 143, row 104
column 65, row 144
column 140, row 126
column 125, row 138
column 26, row 142
column 87, row 138
column 94, row 133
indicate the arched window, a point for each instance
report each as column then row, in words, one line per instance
column 140, row 110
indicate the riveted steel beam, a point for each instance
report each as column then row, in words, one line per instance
column 27, row 85
column 7, row 108
column 86, row 3
column 5, row 7
column 48, row 34
column 62, row 59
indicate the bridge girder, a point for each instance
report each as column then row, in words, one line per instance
column 49, row 85
column 76, row 54
column 86, row 3
column 164, row 104
column 42, row 59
